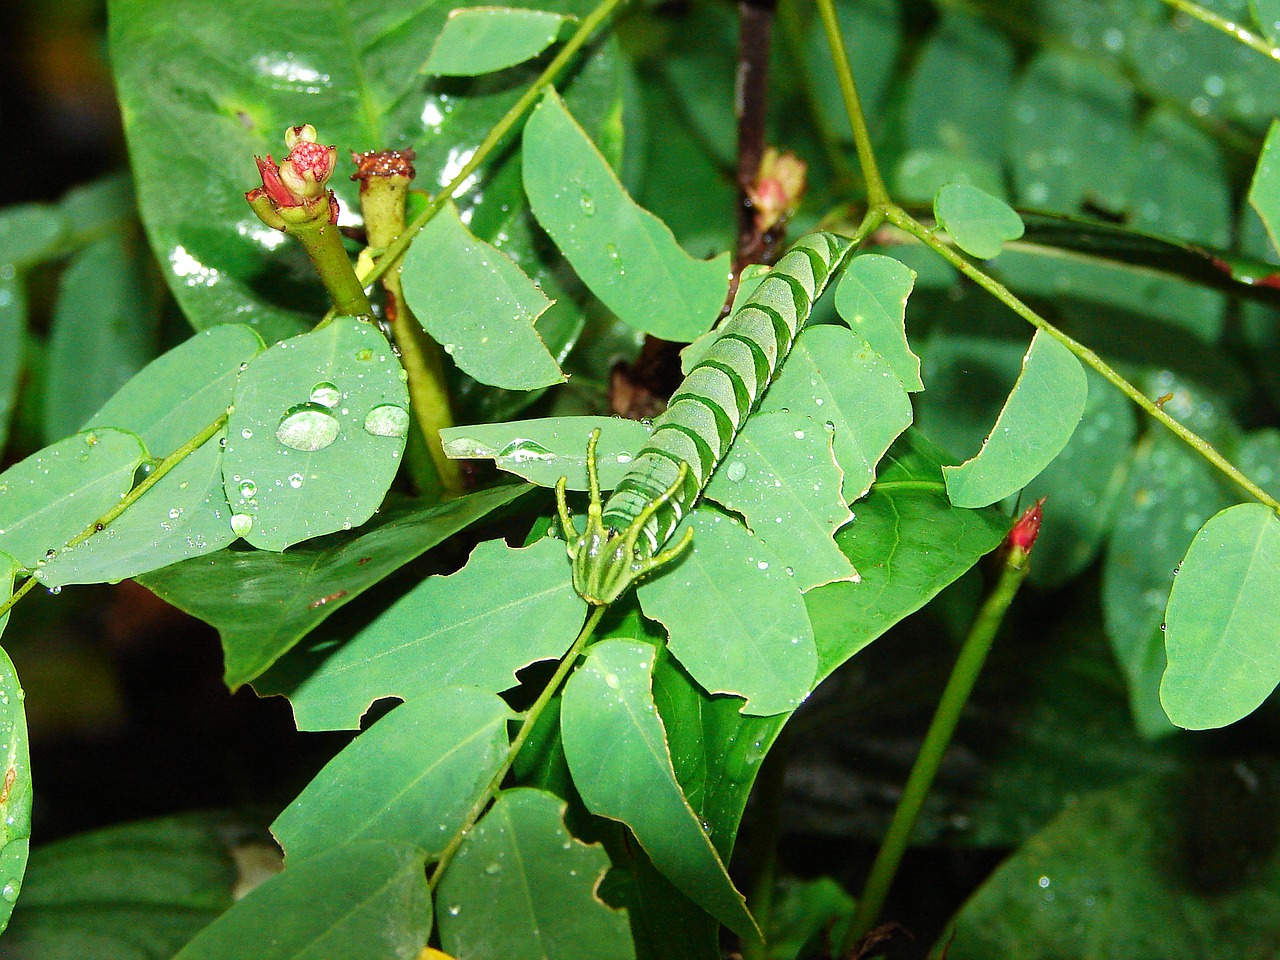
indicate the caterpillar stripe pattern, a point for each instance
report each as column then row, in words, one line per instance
column 625, row 537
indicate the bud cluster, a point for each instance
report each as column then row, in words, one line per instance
column 295, row 191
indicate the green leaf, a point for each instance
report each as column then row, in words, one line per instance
column 908, row 543
column 54, row 494
column 736, row 618
column 873, row 34
column 264, row 603
column 1169, row 494
column 979, row 223
column 360, row 901
column 139, row 891
column 1035, row 425
column 1167, row 866
column 523, row 888
column 354, row 70
column 1267, row 15
column 872, row 299
column 13, row 332
column 185, row 514
column 104, row 331
column 543, row 451
column 835, row 378
column 1072, row 135
column 472, row 299
column 315, row 439
column 501, row 612
column 962, row 53
column 616, row 746
column 15, row 769
column 1222, row 620
column 485, row 39
column 808, row 911
column 781, row 477
column 1264, row 191
column 920, row 174
column 1082, row 486
column 625, row 254
column 1191, row 197
column 410, row 778
column 29, row 233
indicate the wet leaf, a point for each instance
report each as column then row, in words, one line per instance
column 836, row 379
column 1264, row 191
column 484, row 39
column 410, row 778
column 628, row 257
column 479, row 305
column 616, row 746
column 781, row 477
column 185, row 514
column 57, row 492
column 15, row 768
column 543, row 451
column 361, row 901
column 872, row 299
column 1267, row 15
column 315, row 440
column 979, row 223
column 263, row 603
column 1191, row 197
column 522, row 887
column 735, row 616
column 501, row 612
column 1222, row 620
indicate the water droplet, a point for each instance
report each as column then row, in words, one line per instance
column 175, row 513
column 454, row 910
column 736, row 471
column 587, row 203
column 763, row 565
column 624, row 458
column 9, row 891
column 295, row 480
column 57, row 590
column 247, row 489
column 307, row 427
column 325, row 393
column 241, row 524
column 247, row 433
column 612, row 680
column 387, row 420
column 493, row 868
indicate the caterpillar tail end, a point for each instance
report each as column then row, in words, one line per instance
column 607, row 562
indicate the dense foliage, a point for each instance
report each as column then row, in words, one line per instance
column 1047, row 232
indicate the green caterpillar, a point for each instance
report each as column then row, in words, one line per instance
column 624, row 537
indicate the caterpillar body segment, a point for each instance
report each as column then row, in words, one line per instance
column 625, row 537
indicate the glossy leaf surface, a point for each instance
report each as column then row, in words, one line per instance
column 616, row 746
column 522, row 887
column 185, row 514
column 979, row 223
column 1222, row 620
column 54, row 494
column 782, row 478
column 501, row 612
column 485, row 39
column 1036, row 423
column 628, row 257
column 410, row 778
column 362, row 901
column 315, row 439
column 478, row 305
column 872, row 299
column 543, row 451
column 735, row 616
column 15, row 768
column 263, row 603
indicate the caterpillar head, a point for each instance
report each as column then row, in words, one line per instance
column 606, row 562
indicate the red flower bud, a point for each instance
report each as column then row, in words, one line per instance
column 778, row 187
column 294, row 190
column 1023, row 535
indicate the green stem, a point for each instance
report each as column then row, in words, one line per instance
column 495, row 136
column 526, row 728
column 877, row 194
column 900, row 218
column 323, row 244
column 960, row 684
column 129, row 499
column 1229, row 27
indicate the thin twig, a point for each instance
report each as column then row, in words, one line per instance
column 1229, row 27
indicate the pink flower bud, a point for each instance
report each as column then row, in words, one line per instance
column 1023, row 535
column 294, row 190
column 778, row 187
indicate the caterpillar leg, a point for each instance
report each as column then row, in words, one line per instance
column 606, row 562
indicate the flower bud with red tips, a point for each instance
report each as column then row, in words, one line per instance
column 294, row 191
column 1023, row 535
column 778, row 187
